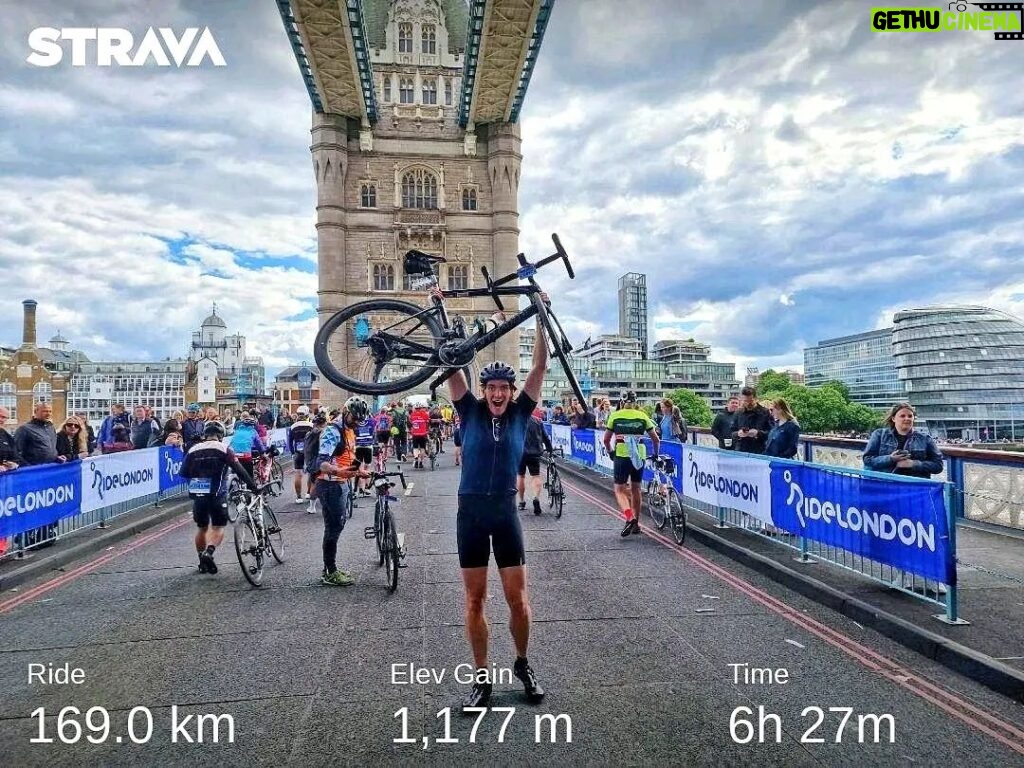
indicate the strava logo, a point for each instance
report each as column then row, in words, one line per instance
column 115, row 47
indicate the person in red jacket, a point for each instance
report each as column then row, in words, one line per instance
column 419, row 428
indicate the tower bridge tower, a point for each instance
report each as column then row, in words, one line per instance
column 415, row 143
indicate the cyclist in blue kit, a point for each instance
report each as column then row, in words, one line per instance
column 493, row 430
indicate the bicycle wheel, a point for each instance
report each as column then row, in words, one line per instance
column 277, row 478
column 390, row 550
column 677, row 512
column 378, row 518
column 403, row 346
column 250, row 556
column 557, row 493
column 275, row 537
column 351, row 504
column 234, row 487
column 656, row 504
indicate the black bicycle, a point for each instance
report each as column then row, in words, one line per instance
column 390, row 543
column 553, row 483
column 433, row 445
column 663, row 502
column 383, row 346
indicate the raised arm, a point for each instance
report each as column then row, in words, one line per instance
column 535, row 378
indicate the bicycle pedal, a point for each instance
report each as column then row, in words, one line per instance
column 369, row 532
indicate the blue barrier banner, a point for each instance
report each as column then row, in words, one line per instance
column 583, row 445
column 902, row 524
column 35, row 496
column 171, row 460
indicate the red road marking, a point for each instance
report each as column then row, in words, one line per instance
column 64, row 578
column 1000, row 730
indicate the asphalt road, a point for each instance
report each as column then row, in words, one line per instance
column 633, row 639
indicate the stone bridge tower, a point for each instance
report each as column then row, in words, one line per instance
column 415, row 143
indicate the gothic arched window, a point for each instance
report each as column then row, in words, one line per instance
column 469, row 199
column 368, row 196
column 383, row 277
column 429, row 92
column 405, row 90
column 429, row 38
column 458, row 277
column 419, row 189
column 405, row 38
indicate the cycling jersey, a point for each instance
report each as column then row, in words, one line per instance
column 419, row 423
column 383, row 423
column 246, row 440
column 206, row 468
column 629, row 425
column 365, row 433
column 492, row 447
column 337, row 449
column 295, row 436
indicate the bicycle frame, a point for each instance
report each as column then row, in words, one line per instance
column 478, row 341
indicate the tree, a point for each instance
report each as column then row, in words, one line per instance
column 772, row 381
column 695, row 409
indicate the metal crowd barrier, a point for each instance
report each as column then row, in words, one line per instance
column 811, row 551
column 18, row 545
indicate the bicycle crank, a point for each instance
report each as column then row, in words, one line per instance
column 452, row 354
column 369, row 532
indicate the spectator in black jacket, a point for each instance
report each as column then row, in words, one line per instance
column 144, row 428
column 751, row 423
column 721, row 427
column 9, row 457
column 72, row 441
column 36, row 441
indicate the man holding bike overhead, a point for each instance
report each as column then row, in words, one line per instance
column 493, row 435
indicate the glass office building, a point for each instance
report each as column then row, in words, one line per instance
column 963, row 369
column 864, row 362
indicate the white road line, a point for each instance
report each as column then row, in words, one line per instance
column 408, row 490
column 794, row 642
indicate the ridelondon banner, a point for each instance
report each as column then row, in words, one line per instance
column 898, row 521
column 31, row 497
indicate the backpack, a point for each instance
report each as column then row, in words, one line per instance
column 401, row 420
column 311, row 450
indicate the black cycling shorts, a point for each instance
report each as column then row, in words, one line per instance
column 210, row 510
column 457, row 437
column 625, row 471
column 419, row 441
column 364, row 454
column 531, row 463
column 484, row 521
column 384, row 436
column 300, row 461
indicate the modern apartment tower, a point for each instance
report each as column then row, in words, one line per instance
column 633, row 308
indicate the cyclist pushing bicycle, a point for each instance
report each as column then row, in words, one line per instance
column 628, row 426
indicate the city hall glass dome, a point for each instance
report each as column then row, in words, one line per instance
column 962, row 368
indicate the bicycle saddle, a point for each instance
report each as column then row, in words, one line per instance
column 420, row 263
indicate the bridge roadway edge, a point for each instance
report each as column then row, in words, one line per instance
column 43, row 561
column 955, row 656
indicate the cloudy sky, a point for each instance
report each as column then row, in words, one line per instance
column 781, row 173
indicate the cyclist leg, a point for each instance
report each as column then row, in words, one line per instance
column 211, row 515
column 299, row 460
column 533, row 465
column 333, row 499
column 624, row 494
column 510, row 557
column 474, row 546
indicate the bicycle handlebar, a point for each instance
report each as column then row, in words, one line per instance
column 379, row 475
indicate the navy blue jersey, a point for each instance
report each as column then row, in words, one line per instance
column 492, row 448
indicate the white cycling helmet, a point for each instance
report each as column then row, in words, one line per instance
column 302, row 410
